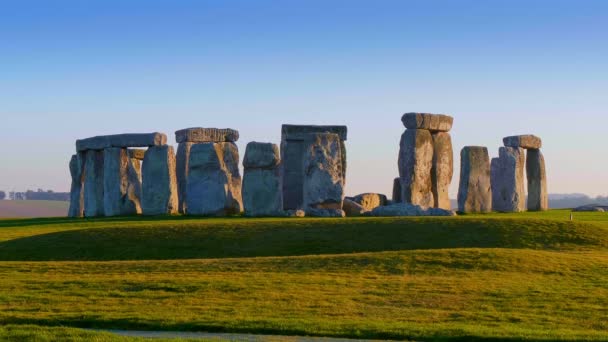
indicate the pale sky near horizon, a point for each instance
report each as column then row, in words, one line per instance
column 74, row 69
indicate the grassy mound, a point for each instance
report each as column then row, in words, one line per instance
column 230, row 238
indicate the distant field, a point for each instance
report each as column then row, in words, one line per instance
column 529, row 276
column 11, row 209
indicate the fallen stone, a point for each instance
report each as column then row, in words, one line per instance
column 524, row 141
column 261, row 156
column 397, row 192
column 315, row 212
column 121, row 140
column 159, row 183
column 136, row 153
column 591, row 208
column 295, row 213
column 323, row 186
column 415, row 164
column 474, row 192
column 262, row 193
column 182, row 159
column 76, row 208
column 507, row 178
column 201, row 135
column 398, row 209
column 116, row 182
column 442, row 170
column 538, row 199
column 93, row 184
column 431, row 122
column 214, row 182
column 352, row 208
column 370, row 201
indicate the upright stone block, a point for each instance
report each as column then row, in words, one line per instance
column 415, row 164
column 474, row 192
column 507, row 175
column 397, row 192
column 442, row 170
column 134, row 184
column 183, row 157
column 292, row 154
column 538, row 199
column 117, row 200
column 323, row 175
column 76, row 190
column 93, row 183
column 262, row 192
column 214, row 183
column 159, row 183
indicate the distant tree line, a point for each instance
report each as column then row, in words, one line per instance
column 38, row 195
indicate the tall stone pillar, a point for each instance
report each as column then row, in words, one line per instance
column 538, row 199
column 293, row 150
column 262, row 192
column 397, row 192
column 93, row 183
column 120, row 182
column 443, row 169
column 507, row 174
column 76, row 190
column 159, row 183
column 474, row 192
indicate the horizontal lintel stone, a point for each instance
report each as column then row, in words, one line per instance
column 121, row 140
column 200, row 135
column 431, row 122
column 527, row 141
column 299, row 132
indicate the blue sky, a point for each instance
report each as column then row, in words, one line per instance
column 73, row 69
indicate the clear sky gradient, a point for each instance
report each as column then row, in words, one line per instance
column 74, row 69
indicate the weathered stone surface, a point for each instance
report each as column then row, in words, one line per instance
column 214, row 182
column 323, row 179
column 261, row 156
column 591, row 208
column 292, row 153
column 415, row 164
column 262, row 193
column 369, row 201
column 408, row 209
column 538, row 199
column 397, row 192
column 200, row 135
column 115, row 182
column 121, row 140
column 431, row 122
column 299, row 132
column 507, row 178
column 316, row 212
column 352, row 208
column 76, row 190
column 134, row 184
column 182, row 159
column 295, row 213
column 159, row 183
column 93, row 184
column 442, row 170
column 136, row 153
column 523, row 141
column 474, row 192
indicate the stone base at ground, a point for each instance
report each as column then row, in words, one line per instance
column 407, row 209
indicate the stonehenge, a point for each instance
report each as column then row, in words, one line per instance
column 474, row 191
column 139, row 174
column 425, row 160
column 262, row 192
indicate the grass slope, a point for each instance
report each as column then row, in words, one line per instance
column 534, row 277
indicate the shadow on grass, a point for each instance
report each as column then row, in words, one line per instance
column 238, row 237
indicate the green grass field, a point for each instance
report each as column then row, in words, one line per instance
column 530, row 276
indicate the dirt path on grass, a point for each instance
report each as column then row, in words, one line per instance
column 229, row 337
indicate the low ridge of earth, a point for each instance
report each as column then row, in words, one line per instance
column 486, row 277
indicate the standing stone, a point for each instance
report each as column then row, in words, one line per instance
column 183, row 156
column 134, row 184
column 159, row 184
column 537, row 181
column 443, row 169
column 323, row 178
column 93, row 184
column 214, row 182
column 262, row 192
column 397, row 192
column 292, row 154
column 117, row 198
column 474, row 192
column 415, row 163
column 76, row 190
column 507, row 176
